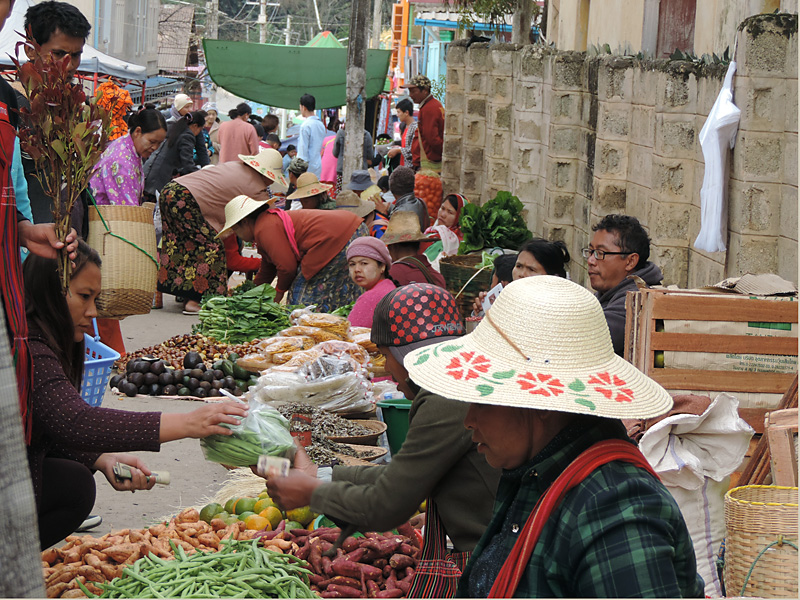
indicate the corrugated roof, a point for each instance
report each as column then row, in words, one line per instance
column 175, row 24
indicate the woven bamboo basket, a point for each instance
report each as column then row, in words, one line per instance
column 368, row 439
column 761, row 528
column 125, row 238
column 464, row 280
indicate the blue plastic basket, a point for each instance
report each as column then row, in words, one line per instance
column 96, row 369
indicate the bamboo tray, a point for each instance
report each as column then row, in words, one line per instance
column 370, row 439
column 376, row 452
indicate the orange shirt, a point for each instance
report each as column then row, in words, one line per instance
column 320, row 235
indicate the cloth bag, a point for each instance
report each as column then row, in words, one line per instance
column 695, row 455
column 716, row 137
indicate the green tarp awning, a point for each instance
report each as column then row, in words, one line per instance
column 325, row 39
column 278, row 75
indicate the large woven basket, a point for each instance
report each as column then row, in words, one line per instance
column 125, row 238
column 464, row 280
column 761, row 527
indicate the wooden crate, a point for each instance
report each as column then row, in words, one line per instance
column 647, row 306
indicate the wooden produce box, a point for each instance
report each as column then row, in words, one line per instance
column 759, row 390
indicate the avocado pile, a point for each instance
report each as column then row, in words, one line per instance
column 154, row 377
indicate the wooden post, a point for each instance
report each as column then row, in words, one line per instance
column 356, row 88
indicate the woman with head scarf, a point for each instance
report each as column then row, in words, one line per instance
column 211, row 131
column 449, row 214
column 368, row 261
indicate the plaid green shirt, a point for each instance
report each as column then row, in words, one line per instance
column 617, row 534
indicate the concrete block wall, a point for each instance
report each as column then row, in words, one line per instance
column 578, row 137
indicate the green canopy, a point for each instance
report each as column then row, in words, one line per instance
column 325, row 39
column 278, row 75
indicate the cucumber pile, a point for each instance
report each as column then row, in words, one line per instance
column 155, row 377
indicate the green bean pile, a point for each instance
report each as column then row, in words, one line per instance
column 241, row 569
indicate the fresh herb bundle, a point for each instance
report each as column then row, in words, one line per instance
column 498, row 223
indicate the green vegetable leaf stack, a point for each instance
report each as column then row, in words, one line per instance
column 243, row 316
column 498, row 223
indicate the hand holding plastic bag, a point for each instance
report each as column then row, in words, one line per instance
column 264, row 431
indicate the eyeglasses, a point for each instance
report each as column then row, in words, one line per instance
column 599, row 254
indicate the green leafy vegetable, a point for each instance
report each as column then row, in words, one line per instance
column 246, row 315
column 498, row 223
column 343, row 311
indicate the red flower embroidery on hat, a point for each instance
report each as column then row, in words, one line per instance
column 612, row 387
column 541, row 384
column 468, row 366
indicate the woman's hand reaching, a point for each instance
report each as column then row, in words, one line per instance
column 206, row 420
column 140, row 474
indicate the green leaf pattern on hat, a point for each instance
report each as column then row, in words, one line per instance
column 471, row 365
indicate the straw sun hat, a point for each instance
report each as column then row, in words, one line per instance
column 238, row 208
column 543, row 344
column 268, row 163
column 403, row 227
column 308, row 185
column 350, row 201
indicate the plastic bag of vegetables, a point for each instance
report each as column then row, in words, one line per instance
column 263, row 431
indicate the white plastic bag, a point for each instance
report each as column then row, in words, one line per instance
column 717, row 136
column 449, row 244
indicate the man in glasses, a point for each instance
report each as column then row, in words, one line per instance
column 620, row 247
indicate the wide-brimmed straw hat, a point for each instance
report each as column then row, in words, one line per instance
column 238, row 208
column 268, row 163
column 308, row 185
column 403, row 227
column 543, row 344
column 350, row 201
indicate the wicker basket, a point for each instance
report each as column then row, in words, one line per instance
column 759, row 520
column 125, row 238
column 464, row 280
column 369, row 439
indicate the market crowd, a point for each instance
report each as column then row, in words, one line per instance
column 548, row 351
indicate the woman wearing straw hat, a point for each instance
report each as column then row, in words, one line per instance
column 375, row 222
column 311, row 193
column 192, row 259
column 546, row 396
column 305, row 249
column 403, row 239
column 437, row 461
column 369, row 262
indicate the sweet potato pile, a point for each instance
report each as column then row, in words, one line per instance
column 91, row 560
column 378, row 565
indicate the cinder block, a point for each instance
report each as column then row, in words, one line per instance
column 638, row 203
column 476, row 83
column 566, row 108
column 452, row 148
column 611, row 160
column 615, row 80
column 789, row 212
column 704, row 270
column 472, row 182
column 473, row 159
column 455, row 102
column 752, row 254
column 547, row 96
column 708, row 88
column 674, row 263
column 766, row 52
column 476, row 108
column 591, row 108
column 450, row 185
column 503, row 61
column 672, row 179
column 565, row 141
column 559, row 208
column 562, row 174
column 789, row 158
column 585, row 180
column 569, row 71
column 499, row 173
column 529, row 189
column 500, row 117
column 529, row 63
column 670, row 224
column 529, row 127
column 451, row 168
column 528, row 95
column 754, row 208
column 640, row 163
column 500, row 146
column 456, row 57
column 582, row 209
column 645, row 83
column 610, row 197
column 455, row 78
column 614, row 122
column 677, row 91
column 762, row 156
column 787, row 259
column 453, row 126
column 476, row 133
column 478, row 58
column 790, row 85
column 529, row 160
column 675, row 135
column 559, row 233
column 502, row 89
column 763, row 104
column 643, row 125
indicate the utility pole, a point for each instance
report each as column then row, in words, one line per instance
column 212, row 28
column 356, row 88
column 521, row 22
column 262, row 21
column 376, row 25
column 316, row 10
column 284, row 114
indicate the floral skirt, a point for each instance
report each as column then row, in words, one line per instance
column 331, row 287
column 191, row 259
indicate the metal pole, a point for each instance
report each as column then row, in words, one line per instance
column 288, row 29
column 262, row 21
column 316, row 10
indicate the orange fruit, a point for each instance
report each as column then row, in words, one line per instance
column 257, row 522
column 244, row 505
column 272, row 514
column 263, row 504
